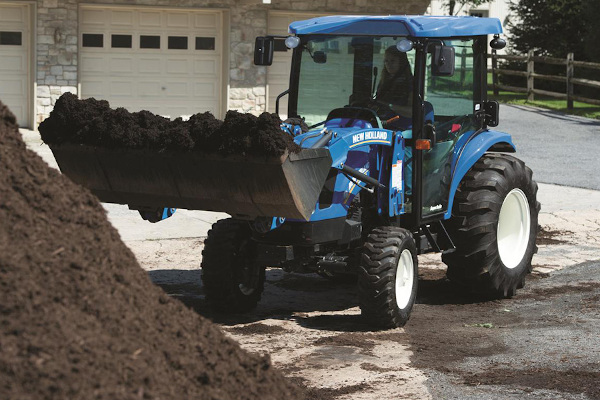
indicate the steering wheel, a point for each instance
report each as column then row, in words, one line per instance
column 385, row 113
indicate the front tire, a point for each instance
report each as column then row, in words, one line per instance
column 387, row 280
column 494, row 226
column 232, row 279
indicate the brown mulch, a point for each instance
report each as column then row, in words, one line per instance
column 79, row 318
column 94, row 123
column 550, row 236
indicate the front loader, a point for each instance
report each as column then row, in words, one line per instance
column 371, row 188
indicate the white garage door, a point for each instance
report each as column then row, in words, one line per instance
column 278, row 74
column 165, row 61
column 15, row 60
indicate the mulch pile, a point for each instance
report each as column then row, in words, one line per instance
column 79, row 318
column 93, row 122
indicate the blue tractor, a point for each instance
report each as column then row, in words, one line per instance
column 427, row 175
column 385, row 172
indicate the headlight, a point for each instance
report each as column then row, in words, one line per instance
column 404, row 45
column 291, row 42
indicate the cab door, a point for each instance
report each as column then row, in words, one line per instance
column 450, row 106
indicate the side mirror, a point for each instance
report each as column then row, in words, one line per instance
column 263, row 50
column 442, row 60
column 492, row 113
column 497, row 43
column 320, row 57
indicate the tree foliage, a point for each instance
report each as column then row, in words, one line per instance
column 555, row 27
column 592, row 40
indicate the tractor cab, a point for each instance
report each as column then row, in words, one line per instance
column 422, row 78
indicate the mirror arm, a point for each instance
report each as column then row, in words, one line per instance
column 277, row 100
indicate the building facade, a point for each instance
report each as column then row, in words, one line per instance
column 174, row 58
column 494, row 9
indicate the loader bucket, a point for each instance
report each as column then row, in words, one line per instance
column 286, row 186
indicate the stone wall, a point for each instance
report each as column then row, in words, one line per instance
column 57, row 40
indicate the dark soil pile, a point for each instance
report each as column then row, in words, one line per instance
column 79, row 319
column 92, row 122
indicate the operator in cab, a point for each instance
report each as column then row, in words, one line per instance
column 394, row 92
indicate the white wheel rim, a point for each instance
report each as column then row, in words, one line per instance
column 513, row 228
column 405, row 275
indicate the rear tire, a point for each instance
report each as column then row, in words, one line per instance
column 494, row 225
column 388, row 278
column 233, row 282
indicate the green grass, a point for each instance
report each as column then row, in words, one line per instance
column 580, row 109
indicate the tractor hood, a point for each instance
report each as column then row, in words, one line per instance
column 344, row 139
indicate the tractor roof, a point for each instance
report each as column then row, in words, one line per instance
column 397, row 25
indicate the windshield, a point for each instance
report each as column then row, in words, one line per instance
column 338, row 71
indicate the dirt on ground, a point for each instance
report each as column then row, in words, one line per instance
column 79, row 318
column 542, row 343
column 547, row 235
column 94, row 123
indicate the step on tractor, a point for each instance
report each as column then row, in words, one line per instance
column 396, row 161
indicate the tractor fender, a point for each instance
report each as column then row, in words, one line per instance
column 469, row 151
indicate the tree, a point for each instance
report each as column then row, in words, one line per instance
column 555, row 28
column 550, row 27
column 591, row 13
column 451, row 5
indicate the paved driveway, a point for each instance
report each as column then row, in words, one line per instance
column 560, row 149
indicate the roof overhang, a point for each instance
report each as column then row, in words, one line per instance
column 397, row 25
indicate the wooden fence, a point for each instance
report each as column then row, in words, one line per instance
column 531, row 75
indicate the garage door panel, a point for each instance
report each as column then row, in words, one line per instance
column 150, row 19
column 208, row 67
column 92, row 64
column 121, row 65
column 280, row 68
column 206, row 21
column 178, row 66
column 13, row 16
column 205, row 89
column 13, row 63
column 142, row 77
column 93, row 18
column 178, row 20
column 122, row 88
column 122, row 18
column 16, row 56
column 94, row 88
column 177, row 89
column 150, row 65
column 16, row 88
column 149, row 89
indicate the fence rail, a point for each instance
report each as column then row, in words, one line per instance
column 531, row 75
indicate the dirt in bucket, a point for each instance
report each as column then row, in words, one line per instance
column 92, row 122
column 80, row 319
